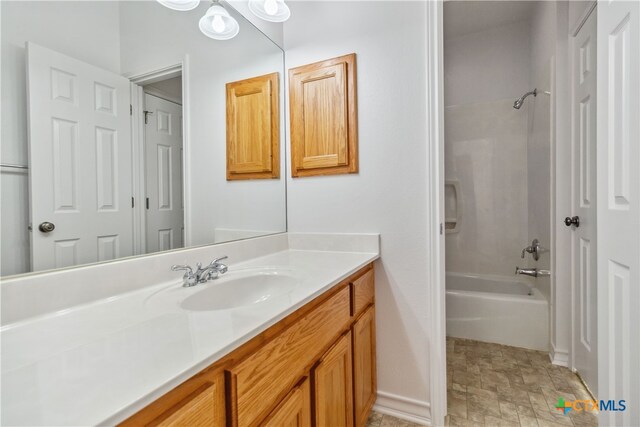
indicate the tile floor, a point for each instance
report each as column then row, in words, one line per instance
column 376, row 419
column 497, row 385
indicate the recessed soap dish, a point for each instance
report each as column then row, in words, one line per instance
column 452, row 206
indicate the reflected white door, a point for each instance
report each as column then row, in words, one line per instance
column 619, row 209
column 80, row 161
column 585, row 349
column 163, row 162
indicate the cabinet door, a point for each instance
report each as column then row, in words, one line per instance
column 334, row 387
column 295, row 409
column 364, row 365
column 198, row 409
column 199, row 401
column 324, row 117
column 253, row 135
column 261, row 380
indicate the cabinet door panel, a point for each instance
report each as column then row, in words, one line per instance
column 199, row 401
column 324, row 117
column 295, row 409
column 334, row 387
column 262, row 379
column 253, row 128
column 364, row 365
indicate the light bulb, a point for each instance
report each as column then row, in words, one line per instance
column 271, row 7
column 218, row 24
column 270, row 10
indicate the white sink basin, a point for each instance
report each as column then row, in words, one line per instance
column 237, row 288
column 242, row 290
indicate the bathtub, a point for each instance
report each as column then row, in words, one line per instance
column 504, row 310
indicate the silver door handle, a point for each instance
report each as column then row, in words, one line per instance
column 47, row 227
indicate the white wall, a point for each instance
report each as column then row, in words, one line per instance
column 86, row 30
column 215, row 202
column 388, row 195
column 171, row 88
column 488, row 65
column 486, row 147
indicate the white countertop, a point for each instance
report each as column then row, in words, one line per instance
column 99, row 363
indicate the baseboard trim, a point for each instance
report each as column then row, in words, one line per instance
column 404, row 408
column 559, row 357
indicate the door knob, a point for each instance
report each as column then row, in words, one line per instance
column 569, row 221
column 47, row 227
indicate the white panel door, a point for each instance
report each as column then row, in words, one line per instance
column 80, row 161
column 583, row 135
column 163, row 162
column 619, row 209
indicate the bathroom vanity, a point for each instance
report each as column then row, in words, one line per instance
column 316, row 363
column 287, row 334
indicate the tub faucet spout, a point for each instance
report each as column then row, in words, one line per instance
column 533, row 272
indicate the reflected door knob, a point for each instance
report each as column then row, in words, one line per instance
column 47, row 227
column 569, row 221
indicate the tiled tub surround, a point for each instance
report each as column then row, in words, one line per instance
column 497, row 385
column 102, row 355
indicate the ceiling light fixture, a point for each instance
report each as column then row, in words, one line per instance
column 218, row 24
column 270, row 10
column 180, row 5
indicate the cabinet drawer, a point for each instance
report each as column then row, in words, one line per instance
column 362, row 290
column 263, row 378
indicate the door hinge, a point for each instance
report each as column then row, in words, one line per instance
column 130, row 110
column 133, row 203
column 441, row 228
column 146, row 116
column 147, row 203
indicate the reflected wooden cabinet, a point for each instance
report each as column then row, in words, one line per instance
column 314, row 367
column 333, row 386
column 253, row 129
column 323, row 117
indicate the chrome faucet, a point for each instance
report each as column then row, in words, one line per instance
column 533, row 272
column 534, row 249
column 201, row 275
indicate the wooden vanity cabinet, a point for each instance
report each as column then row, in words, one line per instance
column 200, row 401
column 294, row 410
column 333, row 386
column 314, row 367
column 364, row 365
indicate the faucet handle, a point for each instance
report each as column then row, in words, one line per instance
column 189, row 279
column 217, row 260
column 186, row 268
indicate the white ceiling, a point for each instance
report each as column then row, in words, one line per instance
column 466, row 17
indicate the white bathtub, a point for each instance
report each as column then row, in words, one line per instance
column 497, row 309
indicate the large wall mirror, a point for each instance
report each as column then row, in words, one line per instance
column 115, row 133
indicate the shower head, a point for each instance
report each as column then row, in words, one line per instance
column 520, row 100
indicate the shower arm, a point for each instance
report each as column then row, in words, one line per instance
column 518, row 103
